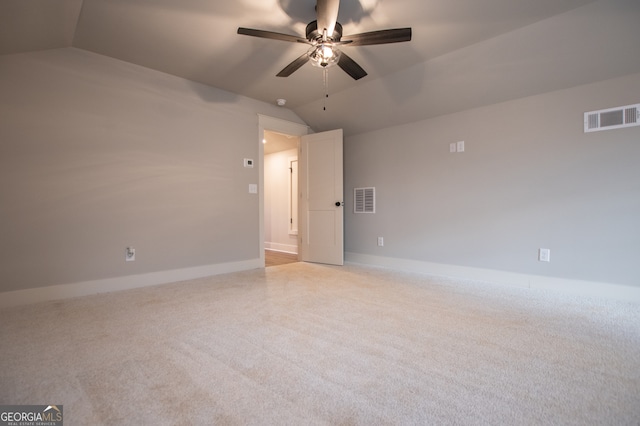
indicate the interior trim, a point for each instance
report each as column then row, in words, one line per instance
column 573, row 287
column 66, row 291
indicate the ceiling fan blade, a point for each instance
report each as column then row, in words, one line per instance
column 327, row 12
column 396, row 35
column 351, row 67
column 294, row 66
column 271, row 35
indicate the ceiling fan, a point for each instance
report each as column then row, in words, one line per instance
column 325, row 35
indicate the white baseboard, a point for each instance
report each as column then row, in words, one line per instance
column 575, row 287
column 65, row 291
column 287, row 248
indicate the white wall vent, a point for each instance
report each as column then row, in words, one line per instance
column 612, row 118
column 364, row 200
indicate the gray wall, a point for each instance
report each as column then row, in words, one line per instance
column 529, row 178
column 97, row 154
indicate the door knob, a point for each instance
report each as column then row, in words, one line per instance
column 338, row 203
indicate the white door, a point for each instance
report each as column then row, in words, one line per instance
column 321, row 198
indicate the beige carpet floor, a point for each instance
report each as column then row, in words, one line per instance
column 311, row 344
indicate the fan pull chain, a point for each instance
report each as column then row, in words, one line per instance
column 325, row 81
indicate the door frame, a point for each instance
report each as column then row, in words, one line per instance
column 273, row 124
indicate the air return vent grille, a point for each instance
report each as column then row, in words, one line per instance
column 612, row 118
column 364, row 200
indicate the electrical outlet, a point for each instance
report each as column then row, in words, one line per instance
column 452, row 147
column 380, row 241
column 460, row 146
column 130, row 254
column 544, row 255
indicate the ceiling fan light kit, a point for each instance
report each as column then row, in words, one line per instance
column 323, row 56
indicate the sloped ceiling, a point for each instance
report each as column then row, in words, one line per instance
column 464, row 53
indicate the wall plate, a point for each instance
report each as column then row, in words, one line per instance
column 544, row 255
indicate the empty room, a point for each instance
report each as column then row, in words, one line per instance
column 320, row 212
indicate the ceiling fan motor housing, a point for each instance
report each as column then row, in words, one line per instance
column 314, row 35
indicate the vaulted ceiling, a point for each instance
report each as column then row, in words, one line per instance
column 464, row 53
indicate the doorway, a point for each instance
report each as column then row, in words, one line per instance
column 320, row 236
column 268, row 124
column 280, row 197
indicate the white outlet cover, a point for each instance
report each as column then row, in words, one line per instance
column 130, row 254
column 253, row 188
column 544, row 255
column 452, row 147
column 460, row 146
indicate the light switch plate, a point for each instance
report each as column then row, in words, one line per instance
column 460, row 146
column 452, row 147
column 253, row 188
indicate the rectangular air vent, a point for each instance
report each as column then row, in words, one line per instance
column 364, row 200
column 612, row 118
